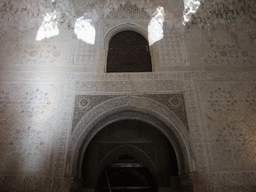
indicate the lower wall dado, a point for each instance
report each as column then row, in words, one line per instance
column 34, row 183
column 205, row 181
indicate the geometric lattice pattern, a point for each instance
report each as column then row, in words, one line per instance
column 85, row 103
column 207, row 64
column 128, row 11
column 229, row 111
column 27, row 114
column 171, row 54
column 86, row 55
column 36, row 54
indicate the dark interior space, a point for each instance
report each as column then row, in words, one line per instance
column 126, row 175
column 130, row 155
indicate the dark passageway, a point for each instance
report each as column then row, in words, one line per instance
column 130, row 155
column 126, row 175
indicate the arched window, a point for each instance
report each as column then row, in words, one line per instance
column 128, row 52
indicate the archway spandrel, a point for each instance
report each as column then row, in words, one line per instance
column 141, row 103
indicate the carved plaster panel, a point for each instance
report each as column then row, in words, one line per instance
column 25, row 15
column 86, row 54
column 31, row 53
column 128, row 11
column 222, row 48
column 113, row 9
column 85, row 103
column 134, row 103
column 225, row 181
column 27, row 116
column 223, row 14
column 129, row 86
column 229, row 109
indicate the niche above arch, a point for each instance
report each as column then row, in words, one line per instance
column 128, row 51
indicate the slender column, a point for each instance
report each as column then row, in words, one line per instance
column 108, row 181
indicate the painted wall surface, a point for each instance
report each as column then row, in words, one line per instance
column 51, row 51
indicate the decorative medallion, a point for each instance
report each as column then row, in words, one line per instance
column 175, row 102
column 84, row 103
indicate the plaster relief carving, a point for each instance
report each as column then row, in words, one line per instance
column 85, row 103
column 235, row 102
column 128, row 11
column 25, row 142
column 55, row 91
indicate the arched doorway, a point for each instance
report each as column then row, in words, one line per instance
column 130, row 155
column 136, row 109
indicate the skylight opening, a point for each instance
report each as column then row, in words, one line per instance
column 190, row 7
column 49, row 27
column 155, row 27
column 85, row 30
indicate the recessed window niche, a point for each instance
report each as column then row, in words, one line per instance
column 128, row 51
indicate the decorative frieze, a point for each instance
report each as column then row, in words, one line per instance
column 128, row 11
column 85, row 103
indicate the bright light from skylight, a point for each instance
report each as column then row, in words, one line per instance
column 84, row 30
column 191, row 7
column 155, row 27
column 49, row 27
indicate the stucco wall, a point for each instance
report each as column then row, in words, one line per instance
column 210, row 59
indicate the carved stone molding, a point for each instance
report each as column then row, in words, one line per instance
column 196, row 130
column 85, row 103
column 114, row 8
column 129, row 76
column 128, row 11
column 85, row 76
column 124, row 27
column 90, row 125
column 62, row 131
